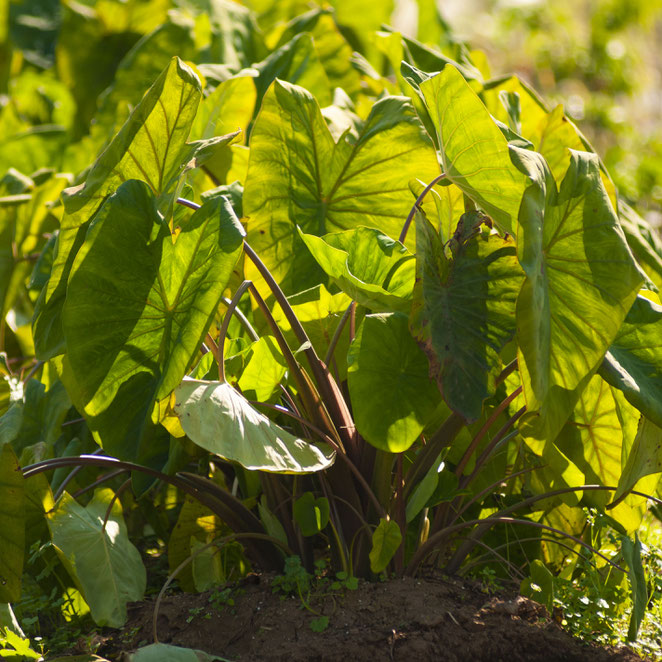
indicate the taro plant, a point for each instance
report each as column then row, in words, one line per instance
column 299, row 308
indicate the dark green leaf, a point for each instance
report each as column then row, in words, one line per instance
column 464, row 305
column 12, row 525
column 385, row 542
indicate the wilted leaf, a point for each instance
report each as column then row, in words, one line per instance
column 220, row 420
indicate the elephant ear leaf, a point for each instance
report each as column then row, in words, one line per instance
column 469, row 140
column 581, row 280
column 151, row 147
column 139, row 303
column 464, row 306
column 300, row 175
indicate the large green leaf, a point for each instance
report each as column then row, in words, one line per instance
column 140, row 301
column 220, row 420
column 298, row 175
column 597, row 438
column 474, row 151
column 151, row 147
column 105, row 564
column 368, row 266
column 581, row 279
column 634, row 360
column 644, row 459
column 464, row 308
column 393, row 397
column 12, row 525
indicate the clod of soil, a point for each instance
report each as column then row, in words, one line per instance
column 439, row 618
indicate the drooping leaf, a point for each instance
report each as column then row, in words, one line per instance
column 105, row 564
column 463, row 312
column 220, row 420
column 370, row 267
column 140, row 303
column 474, row 152
column 151, row 147
column 12, row 525
column 298, row 176
column 393, row 397
column 385, row 542
column 634, row 360
column 580, row 282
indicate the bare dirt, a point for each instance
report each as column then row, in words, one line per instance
column 437, row 618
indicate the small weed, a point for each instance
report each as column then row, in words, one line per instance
column 319, row 624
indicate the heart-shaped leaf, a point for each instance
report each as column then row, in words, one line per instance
column 139, row 303
column 393, row 397
column 581, row 280
column 474, row 151
column 102, row 560
column 151, row 146
column 385, row 542
column 299, row 176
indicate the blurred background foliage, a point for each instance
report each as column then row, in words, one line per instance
column 601, row 60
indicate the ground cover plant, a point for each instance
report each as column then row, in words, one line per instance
column 287, row 285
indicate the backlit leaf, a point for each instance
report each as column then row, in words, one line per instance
column 139, row 304
column 370, row 267
column 151, row 147
column 580, row 282
column 385, row 542
column 298, row 176
column 474, row 152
